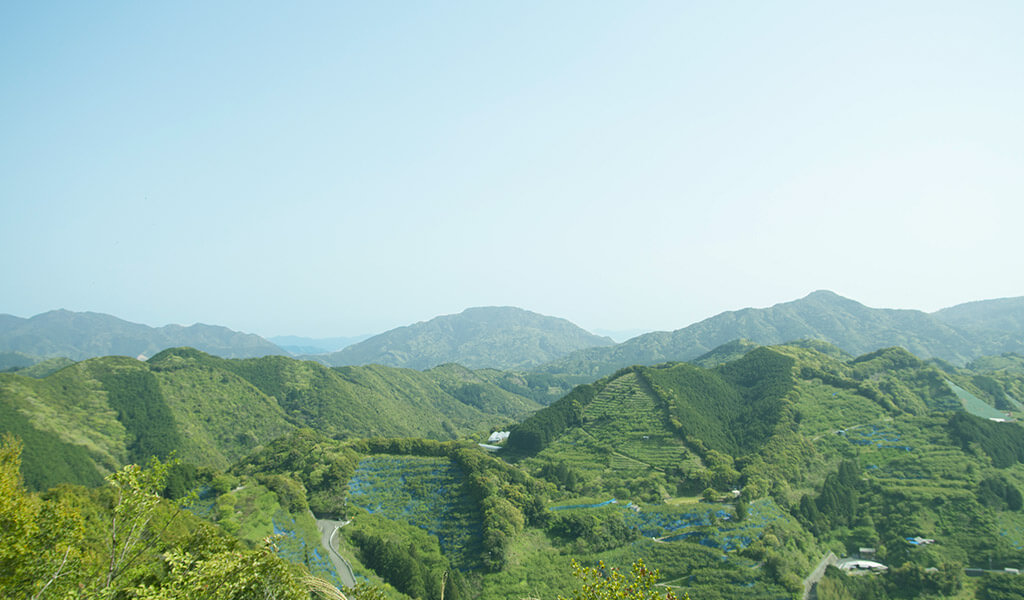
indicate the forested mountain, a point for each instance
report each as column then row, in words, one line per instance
column 488, row 337
column 732, row 479
column 81, row 335
column 862, row 452
column 1003, row 315
column 955, row 336
column 739, row 407
column 96, row 415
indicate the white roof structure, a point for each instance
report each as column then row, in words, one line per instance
column 862, row 565
column 497, row 436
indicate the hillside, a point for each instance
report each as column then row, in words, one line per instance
column 212, row 411
column 652, row 421
column 732, row 479
column 489, row 337
column 82, row 335
column 827, row 452
column 822, row 315
column 1003, row 315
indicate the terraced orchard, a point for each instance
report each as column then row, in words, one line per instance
column 426, row 492
column 625, row 414
column 623, row 437
column 698, row 544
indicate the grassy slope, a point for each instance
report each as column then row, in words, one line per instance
column 488, row 389
column 72, row 406
column 221, row 416
column 213, row 411
column 375, row 400
column 624, row 436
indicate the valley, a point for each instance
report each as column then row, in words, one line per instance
column 733, row 475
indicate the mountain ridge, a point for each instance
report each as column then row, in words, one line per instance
column 511, row 338
column 109, row 411
column 83, row 335
column 821, row 315
column 998, row 314
column 502, row 337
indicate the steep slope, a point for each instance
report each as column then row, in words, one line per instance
column 488, row 337
column 121, row 410
column 822, row 315
column 765, row 408
column 87, row 335
column 212, row 411
column 730, row 408
column 491, row 391
column 373, row 400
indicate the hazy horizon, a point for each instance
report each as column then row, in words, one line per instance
column 336, row 169
column 618, row 335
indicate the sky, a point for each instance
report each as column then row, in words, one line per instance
column 341, row 168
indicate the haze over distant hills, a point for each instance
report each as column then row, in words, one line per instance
column 957, row 334
column 484, row 337
column 515, row 339
column 1004, row 315
column 81, row 335
column 307, row 345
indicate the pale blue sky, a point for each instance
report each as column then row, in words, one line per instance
column 336, row 168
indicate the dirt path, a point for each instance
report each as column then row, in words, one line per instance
column 328, row 531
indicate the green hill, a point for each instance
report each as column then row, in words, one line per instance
column 822, row 315
column 489, row 337
column 826, row 452
column 733, row 479
column 1004, row 315
column 761, row 408
column 82, row 335
column 212, row 411
column 15, row 361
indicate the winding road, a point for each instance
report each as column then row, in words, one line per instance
column 329, row 529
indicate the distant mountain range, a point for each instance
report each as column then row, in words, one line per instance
column 306, row 345
column 957, row 334
column 82, row 335
column 511, row 338
column 495, row 337
column 488, row 337
column 1003, row 315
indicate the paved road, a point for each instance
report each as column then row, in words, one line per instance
column 328, row 531
column 810, row 592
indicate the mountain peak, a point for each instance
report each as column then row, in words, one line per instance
column 503, row 337
column 821, row 315
column 827, row 297
column 823, row 294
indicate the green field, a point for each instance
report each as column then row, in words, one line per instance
column 975, row 405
